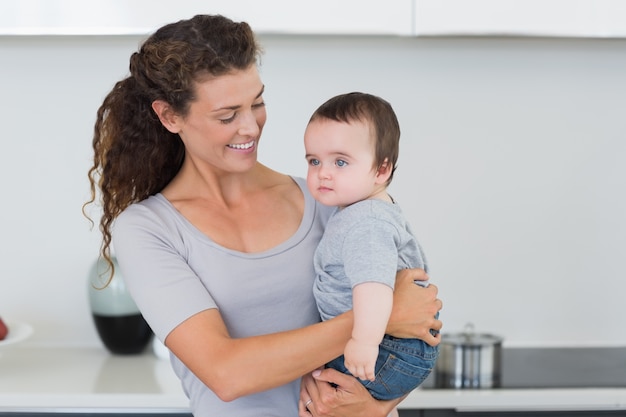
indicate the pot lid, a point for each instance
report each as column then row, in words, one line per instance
column 469, row 337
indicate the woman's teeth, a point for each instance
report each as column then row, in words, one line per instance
column 242, row 145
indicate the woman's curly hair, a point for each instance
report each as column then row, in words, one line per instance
column 134, row 155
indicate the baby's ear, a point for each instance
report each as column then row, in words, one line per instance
column 384, row 171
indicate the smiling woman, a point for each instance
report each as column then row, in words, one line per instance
column 222, row 124
column 216, row 248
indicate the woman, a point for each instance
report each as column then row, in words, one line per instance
column 217, row 248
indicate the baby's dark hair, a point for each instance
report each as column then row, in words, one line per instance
column 374, row 111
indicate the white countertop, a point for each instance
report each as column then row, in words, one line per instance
column 87, row 379
column 561, row 399
column 36, row 379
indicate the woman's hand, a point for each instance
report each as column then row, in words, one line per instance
column 415, row 308
column 330, row 393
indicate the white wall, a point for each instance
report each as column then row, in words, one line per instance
column 511, row 170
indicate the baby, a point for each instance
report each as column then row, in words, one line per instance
column 352, row 146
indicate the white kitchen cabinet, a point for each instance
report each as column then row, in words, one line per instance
column 97, row 17
column 562, row 18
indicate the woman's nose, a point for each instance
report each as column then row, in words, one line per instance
column 249, row 125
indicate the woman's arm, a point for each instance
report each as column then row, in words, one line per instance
column 415, row 308
column 236, row 367
column 330, row 393
column 335, row 394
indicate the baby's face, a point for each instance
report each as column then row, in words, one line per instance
column 340, row 157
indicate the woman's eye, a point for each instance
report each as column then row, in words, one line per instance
column 229, row 119
column 258, row 105
column 341, row 163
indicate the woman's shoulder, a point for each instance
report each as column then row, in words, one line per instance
column 154, row 214
column 153, row 206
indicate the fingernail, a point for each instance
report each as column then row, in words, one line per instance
column 316, row 373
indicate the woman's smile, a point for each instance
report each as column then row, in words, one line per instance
column 242, row 146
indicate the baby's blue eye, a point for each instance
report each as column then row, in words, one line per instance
column 314, row 162
column 341, row 163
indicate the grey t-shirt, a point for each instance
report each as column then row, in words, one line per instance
column 368, row 241
column 174, row 271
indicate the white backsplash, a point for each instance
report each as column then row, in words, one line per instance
column 511, row 171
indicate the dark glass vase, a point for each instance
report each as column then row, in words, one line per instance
column 120, row 325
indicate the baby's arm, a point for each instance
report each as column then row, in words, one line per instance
column 371, row 304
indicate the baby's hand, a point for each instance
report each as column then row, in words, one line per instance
column 360, row 359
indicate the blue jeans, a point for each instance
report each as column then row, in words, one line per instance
column 402, row 365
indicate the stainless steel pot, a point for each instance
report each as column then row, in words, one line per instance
column 469, row 360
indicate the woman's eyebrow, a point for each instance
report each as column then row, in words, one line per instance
column 235, row 107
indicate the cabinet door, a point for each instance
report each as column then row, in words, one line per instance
column 575, row 18
column 356, row 17
column 101, row 17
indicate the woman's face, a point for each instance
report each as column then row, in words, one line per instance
column 224, row 123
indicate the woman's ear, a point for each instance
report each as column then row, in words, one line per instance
column 168, row 117
column 384, row 172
